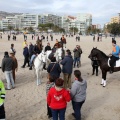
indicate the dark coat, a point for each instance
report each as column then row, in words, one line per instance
column 67, row 63
column 47, row 48
column 25, row 51
column 36, row 50
column 55, row 71
column 31, row 49
column 7, row 64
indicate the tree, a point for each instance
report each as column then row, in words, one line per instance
column 10, row 28
column 74, row 30
column 89, row 30
column 114, row 28
column 30, row 29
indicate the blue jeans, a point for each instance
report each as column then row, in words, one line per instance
column 58, row 112
column 9, row 78
column 32, row 58
column 76, row 60
column 77, row 109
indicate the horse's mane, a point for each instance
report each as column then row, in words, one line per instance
column 103, row 54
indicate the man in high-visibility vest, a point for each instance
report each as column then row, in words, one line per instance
column 2, row 98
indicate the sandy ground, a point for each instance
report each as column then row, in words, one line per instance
column 28, row 101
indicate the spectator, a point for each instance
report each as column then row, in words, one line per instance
column 15, row 64
column 7, row 67
column 95, row 65
column 77, row 53
column 2, row 98
column 24, row 43
column 67, row 68
column 78, row 94
column 57, row 100
column 26, row 56
column 47, row 47
column 12, row 49
column 54, row 68
column 30, row 50
column 49, row 85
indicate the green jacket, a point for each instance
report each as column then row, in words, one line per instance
column 2, row 93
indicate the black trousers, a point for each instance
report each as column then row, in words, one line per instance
column 26, row 60
column 2, row 112
column 95, row 68
column 113, row 60
column 49, row 112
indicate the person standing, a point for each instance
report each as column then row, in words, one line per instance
column 31, row 46
column 67, row 67
column 54, row 68
column 12, row 55
column 26, row 56
column 95, row 65
column 13, row 49
column 7, row 67
column 49, row 85
column 77, row 54
column 2, row 99
column 57, row 100
column 94, row 38
column 78, row 94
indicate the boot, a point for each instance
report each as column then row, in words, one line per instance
column 30, row 68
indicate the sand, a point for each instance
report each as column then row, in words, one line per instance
column 28, row 101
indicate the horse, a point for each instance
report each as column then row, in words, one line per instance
column 38, row 65
column 103, row 62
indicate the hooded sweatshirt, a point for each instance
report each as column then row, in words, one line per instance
column 78, row 91
column 58, row 97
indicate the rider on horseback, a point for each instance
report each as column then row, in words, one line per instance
column 115, row 55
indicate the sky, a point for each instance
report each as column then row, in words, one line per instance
column 101, row 10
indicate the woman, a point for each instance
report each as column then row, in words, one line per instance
column 57, row 100
column 54, row 68
column 78, row 94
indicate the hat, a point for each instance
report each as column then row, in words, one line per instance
column 5, row 53
column 59, row 82
column 113, row 41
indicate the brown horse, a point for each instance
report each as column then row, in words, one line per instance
column 103, row 62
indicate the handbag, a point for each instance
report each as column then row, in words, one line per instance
column 50, row 71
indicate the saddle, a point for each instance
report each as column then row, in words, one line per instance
column 117, row 63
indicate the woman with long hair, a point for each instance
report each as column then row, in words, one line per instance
column 78, row 94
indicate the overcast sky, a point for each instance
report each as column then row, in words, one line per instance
column 101, row 10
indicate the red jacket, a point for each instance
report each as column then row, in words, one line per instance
column 58, row 99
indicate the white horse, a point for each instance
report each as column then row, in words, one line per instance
column 38, row 65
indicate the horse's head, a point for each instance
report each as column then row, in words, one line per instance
column 43, row 56
column 58, row 54
column 93, row 53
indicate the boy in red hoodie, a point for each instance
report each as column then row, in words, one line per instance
column 57, row 100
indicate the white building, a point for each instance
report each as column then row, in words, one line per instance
column 81, row 21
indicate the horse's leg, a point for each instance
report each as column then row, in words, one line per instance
column 104, row 73
column 37, row 74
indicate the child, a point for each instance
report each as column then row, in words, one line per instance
column 95, row 65
column 49, row 84
column 2, row 98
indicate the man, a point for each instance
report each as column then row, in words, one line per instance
column 115, row 55
column 2, row 98
column 7, row 67
column 63, row 40
column 67, row 68
column 47, row 47
column 26, row 56
column 31, row 47
column 12, row 55
column 77, row 54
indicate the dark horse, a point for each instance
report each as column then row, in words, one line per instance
column 103, row 62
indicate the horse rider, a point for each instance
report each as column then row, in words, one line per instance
column 47, row 47
column 115, row 55
column 36, row 51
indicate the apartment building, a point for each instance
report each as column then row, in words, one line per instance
column 114, row 19
column 81, row 21
column 30, row 20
